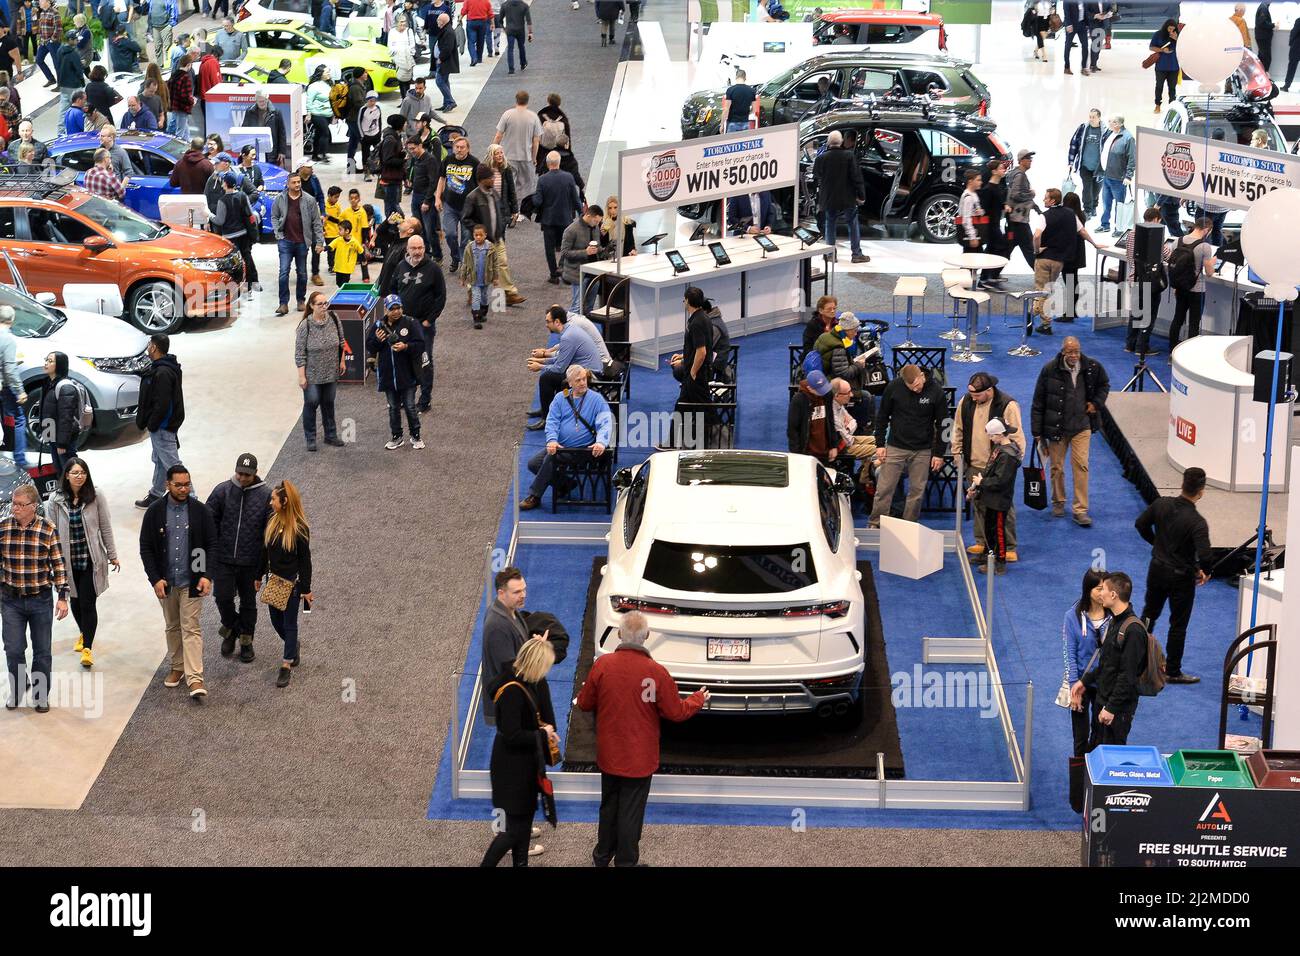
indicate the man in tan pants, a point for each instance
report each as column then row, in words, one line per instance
column 1069, row 395
column 177, row 540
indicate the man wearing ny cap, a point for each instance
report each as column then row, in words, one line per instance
column 1020, row 205
column 240, row 507
column 983, row 402
column 994, row 490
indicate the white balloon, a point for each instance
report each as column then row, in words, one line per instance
column 1209, row 51
column 1269, row 239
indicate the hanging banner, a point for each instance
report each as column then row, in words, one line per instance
column 1211, row 171
column 714, row 167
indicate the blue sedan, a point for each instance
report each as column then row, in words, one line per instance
column 153, row 155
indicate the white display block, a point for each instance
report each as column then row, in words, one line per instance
column 259, row 136
column 1268, row 611
column 909, row 549
column 102, row 297
column 1286, row 707
column 179, row 210
column 226, row 103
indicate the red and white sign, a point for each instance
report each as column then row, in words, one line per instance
column 1185, row 430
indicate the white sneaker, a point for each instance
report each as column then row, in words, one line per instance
column 536, row 850
column 395, row 443
column 417, row 443
column 537, row 831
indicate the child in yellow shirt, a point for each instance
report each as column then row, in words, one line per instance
column 355, row 213
column 332, row 218
column 344, row 250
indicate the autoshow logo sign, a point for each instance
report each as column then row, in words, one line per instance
column 663, row 175
column 1134, row 800
column 1177, row 165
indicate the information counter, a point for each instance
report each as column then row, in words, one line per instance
column 1214, row 422
column 755, row 291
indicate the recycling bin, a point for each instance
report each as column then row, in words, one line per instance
column 1275, row 769
column 1223, row 769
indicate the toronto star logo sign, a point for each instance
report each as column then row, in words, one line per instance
column 1177, row 165
column 663, row 175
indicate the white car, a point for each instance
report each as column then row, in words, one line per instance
column 745, row 565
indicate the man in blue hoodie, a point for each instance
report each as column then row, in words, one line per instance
column 161, row 412
column 579, row 418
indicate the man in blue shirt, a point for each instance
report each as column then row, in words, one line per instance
column 578, row 419
column 574, row 348
column 74, row 120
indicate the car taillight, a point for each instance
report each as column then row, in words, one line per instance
column 984, row 107
column 832, row 609
column 624, row 604
column 943, row 39
column 243, row 13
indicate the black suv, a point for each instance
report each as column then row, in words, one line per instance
column 824, row 82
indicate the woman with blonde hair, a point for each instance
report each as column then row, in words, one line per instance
column 525, row 722
column 151, row 72
column 503, row 179
column 608, row 228
column 286, row 565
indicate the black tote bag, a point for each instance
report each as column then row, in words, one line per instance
column 1035, row 481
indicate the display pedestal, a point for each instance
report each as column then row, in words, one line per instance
column 909, row 549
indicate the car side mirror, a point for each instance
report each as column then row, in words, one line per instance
column 46, row 298
column 844, row 483
column 96, row 243
column 623, row 479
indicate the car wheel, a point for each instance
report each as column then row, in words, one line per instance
column 35, row 393
column 937, row 218
column 155, row 307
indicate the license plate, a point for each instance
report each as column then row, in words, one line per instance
column 728, row 649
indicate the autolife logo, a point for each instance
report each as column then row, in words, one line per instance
column 663, row 176
column 1128, row 800
column 1215, row 817
column 1178, row 165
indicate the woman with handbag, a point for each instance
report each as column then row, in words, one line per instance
column 525, row 743
column 1081, row 637
column 1164, row 56
column 1043, row 11
column 80, row 515
column 286, row 565
column 319, row 355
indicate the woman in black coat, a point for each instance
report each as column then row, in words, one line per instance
column 607, row 12
column 60, row 417
column 101, row 96
column 525, row 724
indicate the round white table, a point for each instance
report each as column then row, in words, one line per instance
column 975, row 262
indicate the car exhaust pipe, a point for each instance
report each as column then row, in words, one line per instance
column 841, row 708
column 824, row 710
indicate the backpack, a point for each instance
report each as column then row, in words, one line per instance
column 86, row 416
column 339, row 99
column 1152, row 679
column 1182, row 266
column 552, row 130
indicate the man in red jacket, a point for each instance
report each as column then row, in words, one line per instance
column 192, row 171
column 209, row 76
column 629, row 691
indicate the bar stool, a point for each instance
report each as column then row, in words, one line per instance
column 1027, row 299
column 955, row 279
column 973, row 299
column 909, row 288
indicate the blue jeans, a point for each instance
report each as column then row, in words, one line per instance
column 21, row 616
column 429, row 221
column 286, row 624
column 738, row 126
column 543, row 466
column 456, row 234
column 295, row 253
column 830, row 222
column 166, row 452
column 1171, row 213
column 575, row 303
column 1216, row 233
column 319, row 396
column 179, row 124
column 43, row 52
column 476, row 34
column 444, row 87
column 511, row 40
column 397, row 402
column 9, row 402
column 392, row 198
column 65, row 101
column 1112, row 190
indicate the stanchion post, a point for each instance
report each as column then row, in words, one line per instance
column 880, row 778
column 1028, row 755
column 989, row 562
column 455, row 737
column 514, row 495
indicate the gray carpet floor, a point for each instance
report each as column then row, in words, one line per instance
column 337, row 769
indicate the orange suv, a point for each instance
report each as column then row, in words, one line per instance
column 61, row 237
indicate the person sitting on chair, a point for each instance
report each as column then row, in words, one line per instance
column 576, row 347
column 578, row 418
column 742, row 219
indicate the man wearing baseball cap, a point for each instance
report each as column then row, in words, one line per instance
column 983, row 402
column 1020, row 197
column 399, row 347
column 994, row 490
column 240, row 507
column 370, row 123
column 810, row 423
column 214, row 189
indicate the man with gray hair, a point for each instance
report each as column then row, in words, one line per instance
column 230, row 43
column 840, row 191
column 579, row 419
column 1118, row 162
column 629, row 691
column 559, row 202
column 31, row 560
column 264, row 114
column 13, row 397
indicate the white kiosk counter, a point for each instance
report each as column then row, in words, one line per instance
column 1215, row 424
column 755, row 292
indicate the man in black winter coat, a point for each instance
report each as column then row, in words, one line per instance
column 161, row 412
column 1292, row 54
column 1264, row 35
column 1120, row 664
column 419, row 282
column 840, row 191
column 1068, row 398
column 910, row 437
column 240, row 507
column 396, row 343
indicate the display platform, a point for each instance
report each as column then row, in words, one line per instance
column 1136, row 426
column 798, row 745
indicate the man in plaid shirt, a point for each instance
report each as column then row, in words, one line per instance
column 31, row 561
column 101, row 180
column 48, row 27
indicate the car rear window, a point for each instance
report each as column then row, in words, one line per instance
column 730, row 569
column 753, row 469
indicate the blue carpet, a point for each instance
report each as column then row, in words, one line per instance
column 938, row 743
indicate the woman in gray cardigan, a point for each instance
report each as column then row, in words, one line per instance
column 319, row 357
column 80, row 515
